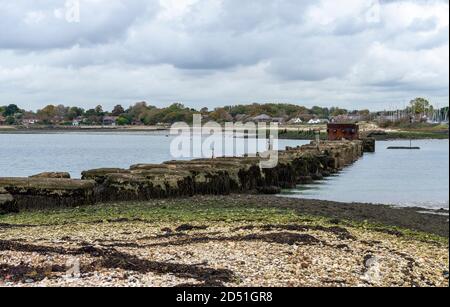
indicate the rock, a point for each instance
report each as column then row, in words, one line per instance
column 305, row 180
column 445, row 274
column 220, row 176
column 369, row 261
column 317, row 176
column 369, row 144
column 7, row 204
column 188, row 227
column 326, row 173
column 271, row 190
column 101, row 174
column 38, row 193
column 150, row 166
column 55, row 175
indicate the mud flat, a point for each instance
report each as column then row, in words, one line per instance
column 220, row 176
column 234, row 240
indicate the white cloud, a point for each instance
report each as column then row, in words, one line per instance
column 352, row 53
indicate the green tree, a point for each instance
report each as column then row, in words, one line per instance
column 74, row 112
column 10, row 120
column 421, row 106
column 123, row 121
column 11, row 110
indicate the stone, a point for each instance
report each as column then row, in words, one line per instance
column 39, row 193
column 55, row 175
column 271, row 190
column 369, row 144
column 7, row 204
column 220, row 176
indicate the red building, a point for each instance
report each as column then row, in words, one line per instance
column 337, row 132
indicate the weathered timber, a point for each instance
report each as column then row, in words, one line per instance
column 220, row 176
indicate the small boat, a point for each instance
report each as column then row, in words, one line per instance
column 410, row 147
column 404, row 147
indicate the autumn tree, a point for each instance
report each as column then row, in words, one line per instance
column 335, row 111
column 221, row 115
column 118, row 110
column 47, row 114
column 99, row 111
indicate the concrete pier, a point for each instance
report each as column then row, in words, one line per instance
column 220, row 176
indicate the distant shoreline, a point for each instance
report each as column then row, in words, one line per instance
column 93, row 129
column 286, row 132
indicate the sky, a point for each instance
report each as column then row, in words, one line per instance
column 375, row 54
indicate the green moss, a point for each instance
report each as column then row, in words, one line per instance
column 203, row 211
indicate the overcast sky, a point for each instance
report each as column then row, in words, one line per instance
column 348, row 53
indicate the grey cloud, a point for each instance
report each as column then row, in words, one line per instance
column 317, row 59
column 220, row 51
column 35, row 25
column 247, row 16
column 424, row 24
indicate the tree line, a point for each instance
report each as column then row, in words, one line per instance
column 142, row 113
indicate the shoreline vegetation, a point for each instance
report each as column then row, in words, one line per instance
column 420, row 115
column 440, row 132
column 234, row 240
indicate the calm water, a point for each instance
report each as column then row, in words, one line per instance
column 24, row 155
column 411, row 178
column 399, row 177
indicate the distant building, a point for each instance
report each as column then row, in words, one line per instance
column 29, row 121
column 314, row 122
column 2, row 120
column 348, row 118
column 263, row 118
column 337, row 132
column 280, row 120
column 109, row 121
column 295, row 121
column 76, row 123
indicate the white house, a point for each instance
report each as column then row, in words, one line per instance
column 296, row 121
column 314, row 122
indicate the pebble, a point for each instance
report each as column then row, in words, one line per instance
column 257, row 263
